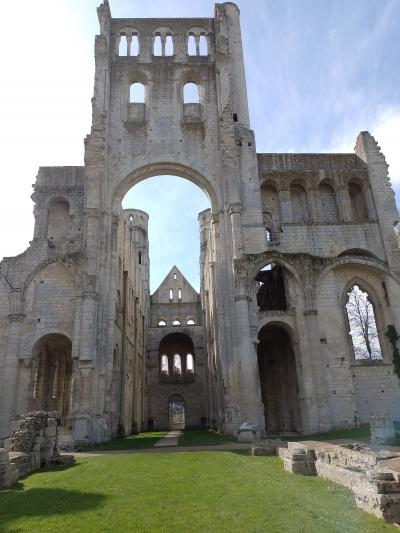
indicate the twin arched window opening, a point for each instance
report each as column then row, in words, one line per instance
column 163, row 46
column 128, row 45
column 197, row 45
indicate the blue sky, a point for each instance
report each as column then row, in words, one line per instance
column 318, row 72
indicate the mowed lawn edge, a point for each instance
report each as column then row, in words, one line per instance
column 182, row 491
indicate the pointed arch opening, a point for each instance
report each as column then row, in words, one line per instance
column 362, row 324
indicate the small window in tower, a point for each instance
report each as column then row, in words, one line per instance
column 174, row 275
column 191, row 93
column 123, row 46
column 190, row 322
column 171, row 294
column 268, row 234
column 157, row 50
column 162, row 322
column 235, row 117
column 176, row 322
column 169, row 46
column 140, row 258
column 136, row 93
column 191, row 46
column 179, row 294
column 203, row 45
column 135, row 45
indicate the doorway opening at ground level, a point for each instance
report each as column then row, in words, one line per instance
column 278, row 380
column 176, row 412
column 52, row 374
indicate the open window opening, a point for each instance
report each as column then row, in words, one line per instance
column 137, row 93
column 190, row 363
column 203, row 45
column 157, row 47
column 191, row 94
column 162, row 322
column 190, row 321
column 271, row 294
column 169, row 46
column 164, row 365
column 363, row 329
column 177, row 364
column 191, row 43
column 176, row 322
column 134, row 46
column 123, row 46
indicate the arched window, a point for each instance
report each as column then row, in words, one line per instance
column 362, row 325
column 268, row 234
column 203, row 45
column 328, row 203
column 135, row 46
column 191, row 93
column 123, row 46
column 157, row 49
column 169, row 46
column 176, row 322
column 177, row 364
column 171, row 294
column 162, row 322
column 190, row 321
column 191, row 46
column 136, row 93
column 189, row 363
column 358, row 204
column 164, row 364
column 298, row 198
column 179, row 294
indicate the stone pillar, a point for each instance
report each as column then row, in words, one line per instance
column 251, row 407
column 235, row 211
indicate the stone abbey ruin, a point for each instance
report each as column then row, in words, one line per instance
column 295, row 326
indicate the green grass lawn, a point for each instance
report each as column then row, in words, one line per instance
column 203, row 437
column 356, row 433
column 180, row 492
column 133, row 442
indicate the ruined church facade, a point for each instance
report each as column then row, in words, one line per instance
column 290, row 244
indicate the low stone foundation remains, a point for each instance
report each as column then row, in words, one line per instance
column 372, row 476
column 33, row 444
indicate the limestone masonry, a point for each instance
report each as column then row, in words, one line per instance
column 300, row 266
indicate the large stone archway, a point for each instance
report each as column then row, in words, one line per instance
column 278, row 380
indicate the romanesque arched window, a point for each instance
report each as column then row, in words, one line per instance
column 164, row 364
column 191, row 93
column 177, row 364
column 137, row 93
column 363, row 329
column 162, row 322
column 189, row 363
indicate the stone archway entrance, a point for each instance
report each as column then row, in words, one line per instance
column 278, row 380
column 176, row 412
column 52, row 372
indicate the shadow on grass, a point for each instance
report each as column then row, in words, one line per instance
column 133, row 442
column 43, row 502
column 204, row 437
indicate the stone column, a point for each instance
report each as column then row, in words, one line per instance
column 251, row 407
column 235, row 211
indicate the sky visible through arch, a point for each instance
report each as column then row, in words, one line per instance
column 318, row 72
column 173, row 204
